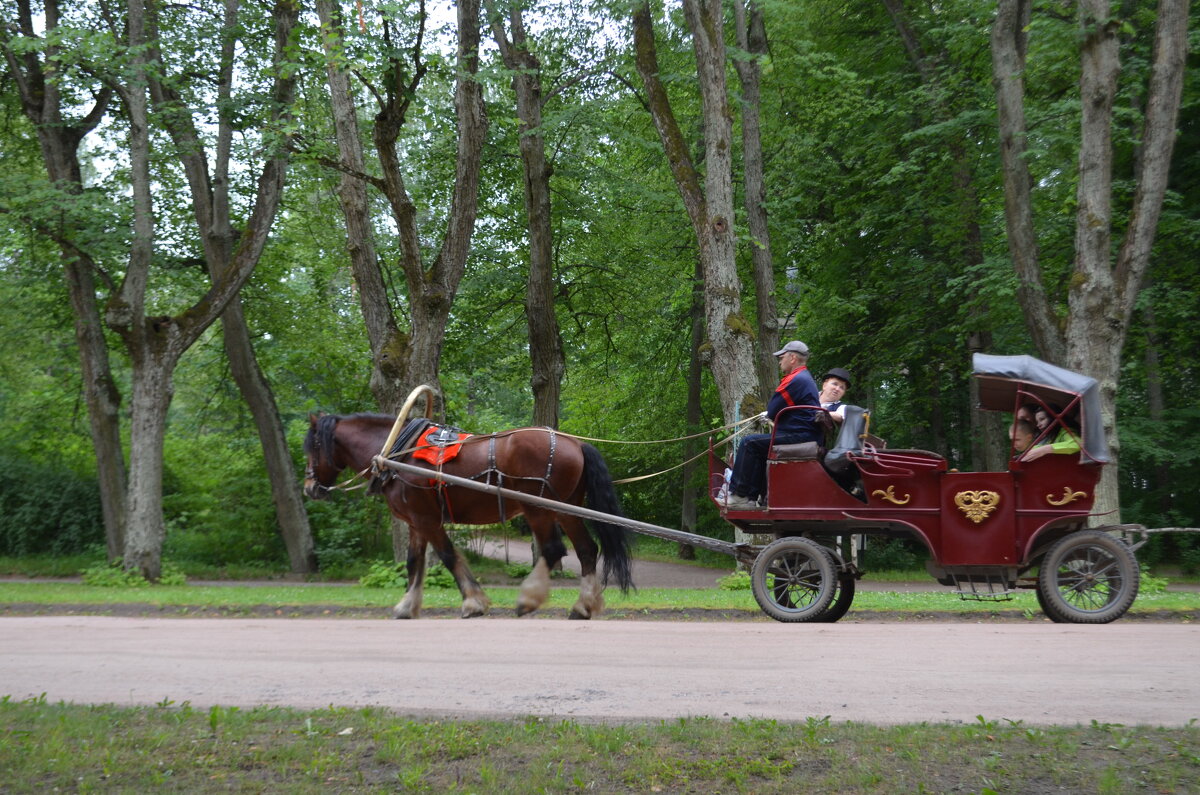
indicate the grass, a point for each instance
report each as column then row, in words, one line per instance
column 49, row 747
column 234, row 598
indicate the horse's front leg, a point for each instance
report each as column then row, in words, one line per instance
column 475, row 602
column 410, row 605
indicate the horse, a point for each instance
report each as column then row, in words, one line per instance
column 539, row 461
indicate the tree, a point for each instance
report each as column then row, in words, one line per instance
column 1102, row 291
column 405, row 358
column 752, row 41
column 545, row 340
column 709, row 206
column 61, row 125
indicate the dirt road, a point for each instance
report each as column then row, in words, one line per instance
column 618, row 670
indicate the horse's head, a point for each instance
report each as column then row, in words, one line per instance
column 321, row 468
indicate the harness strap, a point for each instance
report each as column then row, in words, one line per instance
column 549, row 463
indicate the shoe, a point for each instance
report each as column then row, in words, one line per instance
column 737, row 502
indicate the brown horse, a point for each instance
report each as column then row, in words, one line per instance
column 537, row 461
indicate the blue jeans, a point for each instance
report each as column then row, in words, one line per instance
column 750, row 466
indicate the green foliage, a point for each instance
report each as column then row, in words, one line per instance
column 47, row 509
column 384, row 574
column 116, row 576
column 735, row 581
column 1149, row 584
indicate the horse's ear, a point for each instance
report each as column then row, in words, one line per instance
column 312, row 419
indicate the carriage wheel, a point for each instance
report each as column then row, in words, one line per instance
column 793, row 580
column 1089, row 577
column 1042, row 604
column 842, row 598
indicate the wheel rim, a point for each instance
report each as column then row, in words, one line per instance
column 1089, row 579
column 794, row 580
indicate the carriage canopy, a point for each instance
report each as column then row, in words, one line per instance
column 1003, row 378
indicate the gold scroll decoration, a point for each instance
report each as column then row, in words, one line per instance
column 977, row 505
column 890, row 496
column 1067, row 496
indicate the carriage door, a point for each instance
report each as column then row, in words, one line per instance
column 978, row 519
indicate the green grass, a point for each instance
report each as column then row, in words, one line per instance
column 47, row 747
column 233, row 598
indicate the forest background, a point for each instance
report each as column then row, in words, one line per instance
column 516, row 203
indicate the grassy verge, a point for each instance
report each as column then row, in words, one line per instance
column 233, row 598
column 50, row 747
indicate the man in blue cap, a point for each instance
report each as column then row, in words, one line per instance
column 792, row 427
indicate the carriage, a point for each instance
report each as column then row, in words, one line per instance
column 989, row 534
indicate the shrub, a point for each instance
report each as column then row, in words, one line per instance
column 736, row 581
column 384, row 574
column 115, row 576
column 47, row 510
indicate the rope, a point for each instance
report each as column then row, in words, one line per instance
column 739, row 426
column 701, row 454
column 709, row 432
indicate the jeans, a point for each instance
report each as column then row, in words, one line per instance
column 750, row 466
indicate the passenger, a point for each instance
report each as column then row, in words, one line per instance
column 1028, row 412
column 796, row 389
column 1042, row 418
column 1065, row 441
column 1021, row 434
column 833, row 389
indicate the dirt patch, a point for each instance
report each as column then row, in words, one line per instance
column 144, row 610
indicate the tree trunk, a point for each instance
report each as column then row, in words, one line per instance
column 59, row 140
column 545, row 340
column 695, row 416
column 1009, row 39
column 710, row 208
column 388, row 346
column 285, row 490
column 752, row 39
column 1101, row 297
column 431, row 291
column 155, row 344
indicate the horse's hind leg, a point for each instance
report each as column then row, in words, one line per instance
column 410, row 605
column 475, row 602
column 591, row 592
column 535, row 588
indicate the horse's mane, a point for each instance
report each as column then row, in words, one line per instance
column 320, row 436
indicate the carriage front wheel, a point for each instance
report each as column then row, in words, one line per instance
column 793, row 580
column 1089, row 577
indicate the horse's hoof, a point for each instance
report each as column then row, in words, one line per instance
column 405, row 614
column 524, row 609
column 575, row 615
column 472, row 608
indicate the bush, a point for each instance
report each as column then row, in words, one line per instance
column 384, row 574
column 737, row 581
column 115, row 576
column 47, row 510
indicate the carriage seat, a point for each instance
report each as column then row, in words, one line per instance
column 801, row 451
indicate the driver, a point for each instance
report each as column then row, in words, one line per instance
column 796, row 389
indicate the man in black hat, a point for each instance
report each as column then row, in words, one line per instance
column 792, row 427
column 833, row 389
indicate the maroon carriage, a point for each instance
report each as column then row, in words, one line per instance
column 988, row 533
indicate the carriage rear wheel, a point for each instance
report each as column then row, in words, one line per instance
column 842, row 598
column 1089, row 577
column 793, row 580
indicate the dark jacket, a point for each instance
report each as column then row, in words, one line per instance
column 796, row 389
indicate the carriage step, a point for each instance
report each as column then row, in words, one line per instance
column 982, row 588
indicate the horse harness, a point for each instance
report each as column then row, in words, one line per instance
column 447, row 436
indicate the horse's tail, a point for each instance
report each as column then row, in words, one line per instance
column 613, row 538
